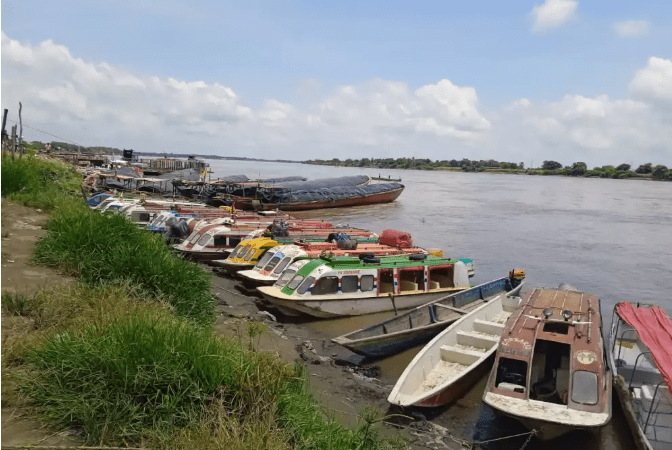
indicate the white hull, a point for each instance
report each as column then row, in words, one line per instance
column 548, row 420
column 449, row 364
column 336, row 305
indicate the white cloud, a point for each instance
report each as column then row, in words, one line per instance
column 552, row 14
column 655, row 80
column 631, row 28
column 100, row 104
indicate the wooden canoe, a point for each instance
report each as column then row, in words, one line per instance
column 420, row 324
column 454, row 360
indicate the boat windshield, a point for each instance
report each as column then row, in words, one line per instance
column 235, row 251
column 250, row 253
column 305, row 284
column 280, row 267
column 273, row 262
column 204, row 240
column 285, row 277
column 242, row 250
column 295, row 282
column 264, row 259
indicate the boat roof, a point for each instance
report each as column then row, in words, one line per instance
column 655, row 330
column 392, row 261
column 545, row 314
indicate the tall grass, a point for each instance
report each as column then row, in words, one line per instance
column 103, row 249
column 158, row 380
column 151, row 371
column 32, row 319
column 39, row 183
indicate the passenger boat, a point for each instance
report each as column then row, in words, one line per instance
column 246, row 254
column 214, row 242
column 276, row 258
column 422, row 323
column 456, row 358
column 268, row 269
column 550, row 371
column 346, row 286
column 640, row 353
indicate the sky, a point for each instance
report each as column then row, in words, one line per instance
column 516, row 81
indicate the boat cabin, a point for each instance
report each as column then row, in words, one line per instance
column 551, row 353
column 371, row 276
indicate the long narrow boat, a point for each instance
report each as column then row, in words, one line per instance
column 551, row 372
column 217, row 241
column 640, row 354
column 348, row 286
column 422, row 323
column 456, row 358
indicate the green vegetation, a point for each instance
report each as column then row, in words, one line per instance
column 577, row 169
column 101, row 359
column 39, row 183
column 103, row 249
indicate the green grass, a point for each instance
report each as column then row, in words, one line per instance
column 108, row 249
column 16, row 303
column 39, row 183
column 157, row 379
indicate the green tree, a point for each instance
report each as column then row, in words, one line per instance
column 551, row 165
column 578, row 169
column 660, row 172
column 623, row 167
column 644, row 168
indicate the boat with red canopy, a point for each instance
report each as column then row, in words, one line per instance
column 641, row 357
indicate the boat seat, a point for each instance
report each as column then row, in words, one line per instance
column 478, row 340
column 459, row 355
column 487, row 327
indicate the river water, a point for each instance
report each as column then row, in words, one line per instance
column 609, row 237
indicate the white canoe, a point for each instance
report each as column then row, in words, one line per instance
column 456, row 358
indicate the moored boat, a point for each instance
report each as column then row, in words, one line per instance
column 456, row 358
column 346, row 285
column 268, row 269
column 640, row 353
column 214, row 242
column 422, row 323
column 550, row 371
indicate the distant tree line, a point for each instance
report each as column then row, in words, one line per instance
column 577, row 169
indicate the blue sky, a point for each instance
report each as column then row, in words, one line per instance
column 555, row 79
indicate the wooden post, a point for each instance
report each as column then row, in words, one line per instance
column 13, row 141
column 20, row 129
column 4, row 124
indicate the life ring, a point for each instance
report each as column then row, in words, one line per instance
column 366, row 255
column 417, row 257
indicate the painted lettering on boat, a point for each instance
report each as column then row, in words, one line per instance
column 348, row 272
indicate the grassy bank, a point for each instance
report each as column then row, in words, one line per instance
column 128, row 357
